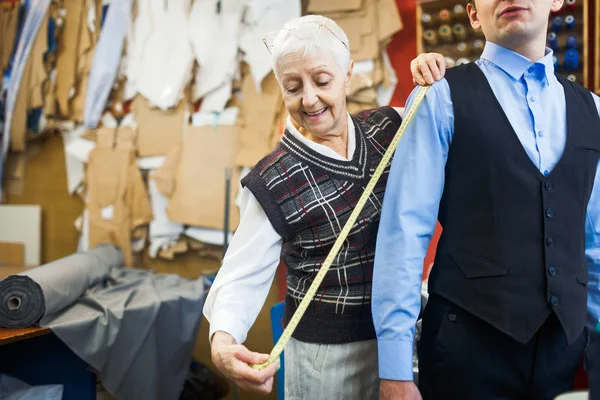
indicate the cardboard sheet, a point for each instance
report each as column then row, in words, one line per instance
column 258, row 112
column 164, row 176
column 68, row 47
column 199, row 194
column 361, row 26
column 390, row 21
column 18, row 127
column 8, row 29
column 107, row 173
column 325, row 6
column 38, row 71
column 158, row 131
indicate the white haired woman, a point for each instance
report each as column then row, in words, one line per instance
column 298, row 198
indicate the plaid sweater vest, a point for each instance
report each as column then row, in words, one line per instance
column 308, row 198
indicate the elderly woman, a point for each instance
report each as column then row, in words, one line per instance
column 298, row 199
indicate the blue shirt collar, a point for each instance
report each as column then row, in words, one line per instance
column 515, row 64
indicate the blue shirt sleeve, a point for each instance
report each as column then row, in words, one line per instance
column 592, row 252
column 592, row 247
column 408, row 220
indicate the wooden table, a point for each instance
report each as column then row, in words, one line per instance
column 14, row 335
column 36, row 356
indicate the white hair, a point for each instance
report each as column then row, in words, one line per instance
column 301, row 34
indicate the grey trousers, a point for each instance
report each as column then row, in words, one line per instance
column 331, row 371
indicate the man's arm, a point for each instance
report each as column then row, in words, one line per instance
column 592, row 252
column 408, row 219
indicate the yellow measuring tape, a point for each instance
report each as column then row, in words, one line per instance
column 312, row 290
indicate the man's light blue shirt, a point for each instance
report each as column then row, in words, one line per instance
column 534, row 102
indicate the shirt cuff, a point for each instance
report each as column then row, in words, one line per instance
column 229, row 323
column 395, row 360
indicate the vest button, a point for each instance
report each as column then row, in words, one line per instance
column 552, row 271
column 548, row 185
column 554, row 301
column 549, row 213
column 550, row 242
column 451, row 317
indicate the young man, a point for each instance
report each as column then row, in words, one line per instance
column 505, row 154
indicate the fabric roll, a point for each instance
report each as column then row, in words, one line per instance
column 28, row 297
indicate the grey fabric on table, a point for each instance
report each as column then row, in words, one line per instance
column 137, row 331
column 27, row 297
column 15, row 389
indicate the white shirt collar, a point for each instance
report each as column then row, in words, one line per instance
column 322, row 149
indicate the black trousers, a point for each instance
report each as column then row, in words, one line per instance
column 463, row 358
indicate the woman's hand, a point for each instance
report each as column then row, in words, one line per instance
column 428, row 68
column 234, row 360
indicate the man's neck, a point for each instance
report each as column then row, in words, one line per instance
column 534, row 49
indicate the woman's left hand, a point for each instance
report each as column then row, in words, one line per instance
column 428, row 68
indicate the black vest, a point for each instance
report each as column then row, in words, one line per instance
column 512, row 249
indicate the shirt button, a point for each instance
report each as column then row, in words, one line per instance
column 546, row 173
column 550, row 242
column 554, row 301
column 540, row 134
column 451, row 317
column 548, row 185
column 552, row 271
column 549, row 213
column 532, row 99
column 530, row 70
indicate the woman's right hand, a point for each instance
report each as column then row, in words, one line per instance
column 234, row 361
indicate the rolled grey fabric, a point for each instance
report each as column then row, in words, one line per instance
column 44, row 291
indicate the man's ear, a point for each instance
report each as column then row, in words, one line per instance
column 557, row 5
column 472, row 11
column 349, row 75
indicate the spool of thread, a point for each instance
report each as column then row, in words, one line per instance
column 557, row 23
column 459, row 11
column 462, row 61
column 571, row 5
column 430, row 37
column 572, row 60
column 478, row 45
column 572, row 42
column 570, row 22
column 462, row 49
column 553, row 41
column 445, row 16
column 460, row 33
column 572, row 78
column 445, row 33
column 427, row 20
column 449, row 62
